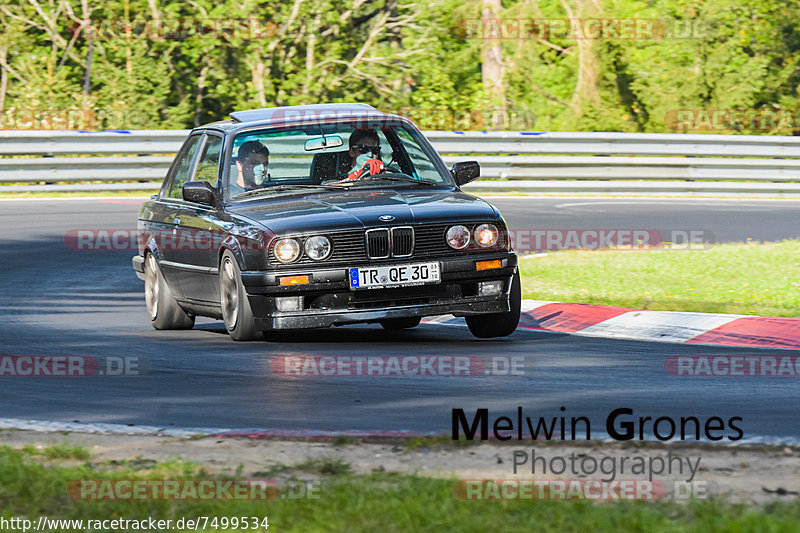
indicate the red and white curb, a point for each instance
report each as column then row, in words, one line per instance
column 668, row 326
column 661, row 326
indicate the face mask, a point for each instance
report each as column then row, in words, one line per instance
column 362, row 160
column 259, row 174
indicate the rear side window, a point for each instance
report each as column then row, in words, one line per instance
column 208, row 164
column 181, row 171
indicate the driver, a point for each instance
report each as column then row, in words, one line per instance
column 251, row 168
column 365, row 152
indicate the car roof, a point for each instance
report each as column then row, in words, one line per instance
column 288, row 112
column 276, row 116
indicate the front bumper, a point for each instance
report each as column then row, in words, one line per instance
column 328, row 300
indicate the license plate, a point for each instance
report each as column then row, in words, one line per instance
column 379, row 277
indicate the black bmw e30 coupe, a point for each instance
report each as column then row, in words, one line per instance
column 321, row 215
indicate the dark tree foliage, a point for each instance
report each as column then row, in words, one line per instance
column 720, row 66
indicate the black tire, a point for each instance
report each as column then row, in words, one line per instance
column 164, row 311
column 401, row 323
column 499, row 324
column 236, row 311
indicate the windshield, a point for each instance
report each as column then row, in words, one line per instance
column 342, row 156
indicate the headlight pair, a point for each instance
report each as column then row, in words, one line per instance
column 485, row 235
column 317, row 247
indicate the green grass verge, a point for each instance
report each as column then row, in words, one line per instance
column 747, row 279
column 63, row 450
column 376, row 502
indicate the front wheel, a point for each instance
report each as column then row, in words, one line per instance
column 236, row 311
column 499, row 324
column 164, row 311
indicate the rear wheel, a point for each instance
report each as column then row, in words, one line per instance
column 236, row 311
column 499, row 324
column 164, row 311
column 400, row 323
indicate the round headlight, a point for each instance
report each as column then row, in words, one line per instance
column 287, row 250
column 457, row 237
column 486, row 235
column 318, row 247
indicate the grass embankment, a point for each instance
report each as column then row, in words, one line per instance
column 34, row 483
column 746, row 279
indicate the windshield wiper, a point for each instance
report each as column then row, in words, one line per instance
column 287, row 187
column 406, row 179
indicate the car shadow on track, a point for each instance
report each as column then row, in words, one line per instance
column 374, row 333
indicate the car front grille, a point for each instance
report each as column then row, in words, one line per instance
column 377, row 243
column 402, row 242
column 351, row 247
column 390, row 242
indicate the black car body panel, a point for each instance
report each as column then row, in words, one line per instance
column 188, row 239
column 362, row 209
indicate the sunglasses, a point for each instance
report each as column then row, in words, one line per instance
column 365, row 148
column 254, row 162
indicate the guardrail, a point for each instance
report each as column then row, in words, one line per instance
column 552, row 162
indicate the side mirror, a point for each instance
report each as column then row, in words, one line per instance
column 465, row 171
column 199, row 192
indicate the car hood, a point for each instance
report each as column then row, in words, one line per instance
column 363, row 209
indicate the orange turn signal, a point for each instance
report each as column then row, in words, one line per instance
column 294, row 280
column 488, row 265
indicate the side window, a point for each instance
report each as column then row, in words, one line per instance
column 208, row 164
column 184, row 166
column 421, row 165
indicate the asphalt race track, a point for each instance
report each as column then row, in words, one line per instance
column 57, row 301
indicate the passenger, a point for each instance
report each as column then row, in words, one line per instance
column 251, row 168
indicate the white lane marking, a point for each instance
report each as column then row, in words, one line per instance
column 631, row 197
column 532, row 256
column 71, row 198
column 669, row 326
column 438, row 319
column 51, row 426
column 530, row 305
column 604, row 202
column 47, row 426
column 696, row 201
column 100, row 427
